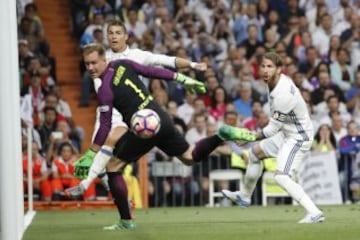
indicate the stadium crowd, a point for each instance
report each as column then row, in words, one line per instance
column 318, row 41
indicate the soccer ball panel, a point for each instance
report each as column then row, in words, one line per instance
column 145, row 123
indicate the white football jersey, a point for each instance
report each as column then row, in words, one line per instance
column 289, row 111
column 142, row 57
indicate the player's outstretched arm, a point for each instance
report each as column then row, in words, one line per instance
column 183, row 63
column 162, row 73
column 170, row 61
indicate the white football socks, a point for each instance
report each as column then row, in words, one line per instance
column 297, row 193
column 100, row 161
column 253, row 172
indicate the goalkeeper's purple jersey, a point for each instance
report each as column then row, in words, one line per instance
column 122, row 89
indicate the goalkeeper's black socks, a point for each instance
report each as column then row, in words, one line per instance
column 204, row 147
column 119, row 192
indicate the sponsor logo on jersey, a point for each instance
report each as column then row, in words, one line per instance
column 104, row 108
column 119, row 73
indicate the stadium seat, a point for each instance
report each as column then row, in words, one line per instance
column 270, row 188
column 222, row 175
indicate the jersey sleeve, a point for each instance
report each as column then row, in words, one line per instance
column 105, row 98
column 157, row 59
column 282, row 106
column 150, row 71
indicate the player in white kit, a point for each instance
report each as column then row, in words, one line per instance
column 92, row 163
column 288, row 136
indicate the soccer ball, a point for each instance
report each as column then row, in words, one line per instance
column 145, row 123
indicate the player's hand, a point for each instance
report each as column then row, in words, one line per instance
column 191, row 85
column 83, row 164
column 198, row 66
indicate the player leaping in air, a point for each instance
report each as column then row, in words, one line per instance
column 122, row 90
column 288, row 136
column 117, row 37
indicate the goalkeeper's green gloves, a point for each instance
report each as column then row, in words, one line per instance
column 83, row 164
column 191, row 85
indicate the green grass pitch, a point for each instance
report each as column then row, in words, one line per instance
column 270, row 223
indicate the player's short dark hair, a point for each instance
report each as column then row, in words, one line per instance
column 116, row 22
column 274, row 57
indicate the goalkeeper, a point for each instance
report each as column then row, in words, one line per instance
column 118, row 49
column 122, row 90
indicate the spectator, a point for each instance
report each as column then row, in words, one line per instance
column 349, row 147
column 41, row 183
column 243, row 103
column 251, row 122
column 62, row 106
column 353, row 98
column 78, row 10
column 334, row 46
column 122, row 11
column 315, row 13
column 204, row 44
column 241, row 24
column 98, row 22
column 47, row 127
column 324, row 139
column 317, row 95
column 198, row 131
column 63, row 172
column 25, row 54
column 332, row 105
column 300, row 51
column 355, row 179
column 321, row 35
column 251, row 42
column 350, row 40
column 338, row 127
column 293, row 10
column 200, row 109
column 342, row 20
column 292, row 38
column 320, row 67
column 134, row 25
column 31, row 13
column 270, row 39
column 263, row 9
column 218, row 103
column 172, row 109
column 309, row 65
column 37, row 94
column 41, row 67
column 100, row 7
column 301, row 82
column 224, row 35
column 186, row 110
column 273, row 23
column 212, row 83
column 342, row 73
